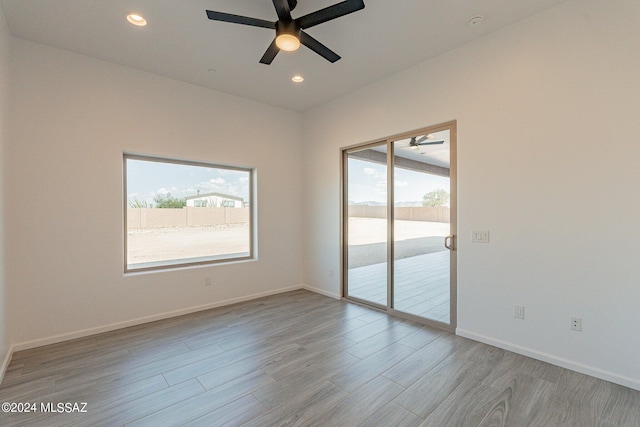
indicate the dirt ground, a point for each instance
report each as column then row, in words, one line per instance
column 372, row 230
column 367, row 237
column 157, row 244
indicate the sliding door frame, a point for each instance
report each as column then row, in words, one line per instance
column 344, row 221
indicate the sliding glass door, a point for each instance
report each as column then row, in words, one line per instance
column 367, row 224
column 399, row 225
column 421, row 224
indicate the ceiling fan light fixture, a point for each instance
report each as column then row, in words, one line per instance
column 287, row 42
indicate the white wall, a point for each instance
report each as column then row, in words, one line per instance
column 72, row 118
column 5, row 338
column 548, row 151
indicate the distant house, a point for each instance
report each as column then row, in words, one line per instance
column 215, row 200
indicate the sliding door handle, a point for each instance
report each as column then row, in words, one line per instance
column 450, row 242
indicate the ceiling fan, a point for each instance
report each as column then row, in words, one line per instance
column 415, row 142
column 289, row 31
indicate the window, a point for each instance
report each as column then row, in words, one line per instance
column 178, row 213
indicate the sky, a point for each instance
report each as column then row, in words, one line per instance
column 368, row 182
column 146, row 179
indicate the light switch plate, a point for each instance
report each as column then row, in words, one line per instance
column 480, row 236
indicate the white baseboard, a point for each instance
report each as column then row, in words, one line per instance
column 554, row 360
column 321, row 292
column 5, row 362
column 119, row 325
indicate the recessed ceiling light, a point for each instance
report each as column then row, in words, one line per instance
column 297, row 79
column 136, row 19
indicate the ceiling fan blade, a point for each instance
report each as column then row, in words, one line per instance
column 292, row 4
column 422, row 138
column 237, row 19
column 329, row 13
column 318, row 47
column 430, row 143
column 283, row 9
column 270, row 54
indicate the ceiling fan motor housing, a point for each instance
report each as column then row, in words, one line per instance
column 288, row 28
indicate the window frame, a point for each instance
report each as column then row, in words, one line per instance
column 205, row 261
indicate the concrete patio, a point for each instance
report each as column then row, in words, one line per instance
column 421, row 285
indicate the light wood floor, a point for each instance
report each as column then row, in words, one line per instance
column 303, row 359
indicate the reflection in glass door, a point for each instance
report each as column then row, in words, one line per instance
column 366, row 224
column 421, row 224
column 399, row 225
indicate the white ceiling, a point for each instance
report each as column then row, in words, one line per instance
column 181, row 43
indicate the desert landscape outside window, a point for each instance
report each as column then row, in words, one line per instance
column 179, row 213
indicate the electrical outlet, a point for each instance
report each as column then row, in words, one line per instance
column 576, row 324
column 331, row 272
column 518, row 311
column 208, row 281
